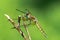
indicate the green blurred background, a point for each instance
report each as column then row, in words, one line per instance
column 46, row 11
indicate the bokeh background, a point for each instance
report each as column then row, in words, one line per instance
column 46, row 11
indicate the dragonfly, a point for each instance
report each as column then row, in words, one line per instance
column 27, row 16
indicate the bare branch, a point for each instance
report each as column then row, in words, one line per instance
column 17, row 27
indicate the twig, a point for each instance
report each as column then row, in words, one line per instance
column 16, row 26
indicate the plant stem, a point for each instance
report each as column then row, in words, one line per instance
column 16, row 26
